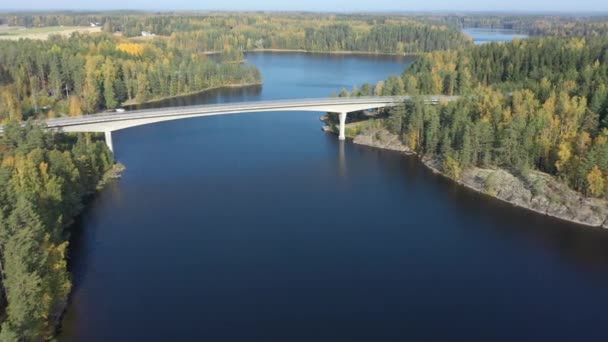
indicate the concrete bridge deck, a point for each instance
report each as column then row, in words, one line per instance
column 109, row 122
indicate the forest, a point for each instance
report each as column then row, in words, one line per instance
column 43, row 180
column 281, row 30
column 87, row 73
column 247, row 31
column 537, row 104
column 322, row 34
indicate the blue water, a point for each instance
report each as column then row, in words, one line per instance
column 260, row 227
column 485, row 35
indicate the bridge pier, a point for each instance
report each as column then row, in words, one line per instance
column 342, row 135
column 109, row 140
column 110, row 122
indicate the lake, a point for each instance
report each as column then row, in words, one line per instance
column 260, row 227
column 487, row 35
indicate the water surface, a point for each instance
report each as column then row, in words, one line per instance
column 487, row 35
column 260, row 227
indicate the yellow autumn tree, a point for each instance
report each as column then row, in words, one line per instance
column 131, row 48
column 583, row 141
column 57, row 284
column 564, row 155
column 452, row 168
column 379, row 89
column 75, row 106
column 595, row 182
column 412, row 140
column 12, row 103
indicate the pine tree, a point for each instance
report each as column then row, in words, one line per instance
column 109, row 80
column 92, row 88
column 23, row 262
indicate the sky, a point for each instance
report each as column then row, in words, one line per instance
column 567, row 6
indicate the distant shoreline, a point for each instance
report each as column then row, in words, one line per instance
column 365, row 53
column 227, row 86
column 405, row 54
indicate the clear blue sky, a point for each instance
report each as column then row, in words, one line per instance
column 315, row 5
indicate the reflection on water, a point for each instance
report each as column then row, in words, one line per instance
column 220, row 95
column 262, row 228
column 342, row 158
column 583, row 247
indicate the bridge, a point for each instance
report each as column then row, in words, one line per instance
column 110, row 122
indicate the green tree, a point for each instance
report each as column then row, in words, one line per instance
column 109, row 84
column 396, row 119
column 92, row 88
column 143, row 88
column 22, row 279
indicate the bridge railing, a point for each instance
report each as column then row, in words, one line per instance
column 229, row 106
column 232, row 107
column 305, row 101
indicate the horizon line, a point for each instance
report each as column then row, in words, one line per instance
column 594, row 13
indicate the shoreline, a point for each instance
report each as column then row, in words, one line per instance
column 112, row 174
column 577, row 209
column 129, row 103
column 313, row 52
column 431, row 165
column 363, row 53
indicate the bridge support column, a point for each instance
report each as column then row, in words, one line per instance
column 342, row 135
column 109, row 140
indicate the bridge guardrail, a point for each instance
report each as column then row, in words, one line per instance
column 228, row 107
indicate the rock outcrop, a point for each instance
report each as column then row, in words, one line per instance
column 381, row 138
column 539, row 192
column 535, row 191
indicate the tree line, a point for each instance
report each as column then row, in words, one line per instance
column 92, row 72
column 534, row 104
column 320, row 33
column 257, row 26
column 43, row 179
column 132, row 22
column 533, row 25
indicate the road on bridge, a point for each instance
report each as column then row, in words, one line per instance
column 109, row 122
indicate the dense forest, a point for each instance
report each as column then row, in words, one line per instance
column 279, row 30
column 534, row 104
column 323, row 33
column 89, row 73
column 43, row 179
